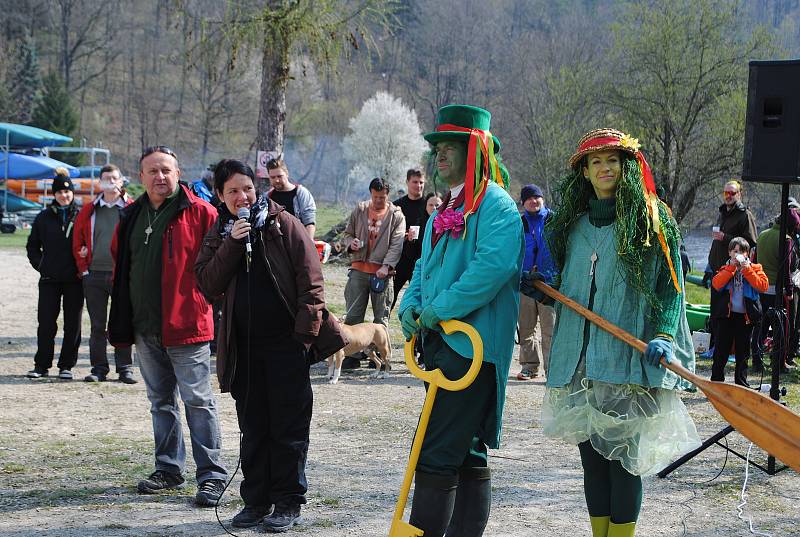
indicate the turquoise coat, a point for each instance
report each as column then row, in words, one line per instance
column 475, row 279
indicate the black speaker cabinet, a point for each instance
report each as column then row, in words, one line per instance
column 772, row 129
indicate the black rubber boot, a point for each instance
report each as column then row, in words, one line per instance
column 434, row 497
column 473, row 501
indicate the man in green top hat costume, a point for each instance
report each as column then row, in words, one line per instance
column 469, row 270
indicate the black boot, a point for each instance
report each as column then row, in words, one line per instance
column 473, row 500
column 434, row 496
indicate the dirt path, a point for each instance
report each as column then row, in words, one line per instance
column 71, row 453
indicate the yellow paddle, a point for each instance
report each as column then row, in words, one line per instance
column 768, row 424
column 435, row 380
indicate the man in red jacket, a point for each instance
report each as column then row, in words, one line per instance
column 155, row 303
column 91, row 248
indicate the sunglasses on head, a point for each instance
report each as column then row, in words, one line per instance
column 157, row 149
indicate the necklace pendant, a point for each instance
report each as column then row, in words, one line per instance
column 148, row 230
column 593, row 258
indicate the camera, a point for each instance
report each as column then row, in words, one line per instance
column 740, row 258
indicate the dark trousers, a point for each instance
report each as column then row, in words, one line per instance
column 402, row 275
column 452, row 441
column 97, row 290
column 273, row 404
column 733, row 330
column 767, row 302
column 50, row 295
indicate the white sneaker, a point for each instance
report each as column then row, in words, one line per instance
column 65, row 374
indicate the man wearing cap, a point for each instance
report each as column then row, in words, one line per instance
column 535, row 319
column 49, row 252
column 156, row 304
column 469, row 270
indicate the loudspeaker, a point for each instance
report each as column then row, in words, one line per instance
column 772, row 129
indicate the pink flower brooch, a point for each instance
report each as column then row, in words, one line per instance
column 449, row 220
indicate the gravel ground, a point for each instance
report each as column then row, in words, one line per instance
column 71, row 454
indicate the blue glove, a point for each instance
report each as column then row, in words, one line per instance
column 408, row 322
column 526, row 285
column 707, row 279
column 428, row 319
column 657, row 348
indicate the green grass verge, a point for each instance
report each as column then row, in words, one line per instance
column 328, row 215
column 14, row 240
column 696, row 294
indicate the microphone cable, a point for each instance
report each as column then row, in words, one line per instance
column 244, row 406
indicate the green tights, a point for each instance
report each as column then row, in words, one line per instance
column 609, row 488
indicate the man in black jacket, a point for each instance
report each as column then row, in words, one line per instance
column 50, row 253
column 735, row 220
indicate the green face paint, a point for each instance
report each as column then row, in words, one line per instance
column 451, row 161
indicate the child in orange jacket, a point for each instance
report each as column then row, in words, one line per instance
column 741, row 281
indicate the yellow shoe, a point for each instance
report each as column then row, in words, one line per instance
column 621, row 530
column 599, row 525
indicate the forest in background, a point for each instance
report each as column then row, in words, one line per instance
column 188, row 74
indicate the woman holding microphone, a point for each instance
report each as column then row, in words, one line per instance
column 274, row 324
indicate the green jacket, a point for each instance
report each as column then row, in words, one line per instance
column 608, row 359
column 475, row 279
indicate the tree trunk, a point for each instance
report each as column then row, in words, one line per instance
column 274, row 79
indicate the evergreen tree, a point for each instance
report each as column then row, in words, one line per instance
column 24, row 81
column 54, row 112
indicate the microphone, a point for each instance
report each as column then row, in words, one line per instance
column 244, row 214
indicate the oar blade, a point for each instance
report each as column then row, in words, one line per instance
column 769, row 425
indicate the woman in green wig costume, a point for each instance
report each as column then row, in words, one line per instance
column 617, row 247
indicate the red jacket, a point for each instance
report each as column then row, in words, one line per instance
column 185, row 313
column 84, row 232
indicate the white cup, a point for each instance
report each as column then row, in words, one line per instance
column 715, row 229
column 413, row 233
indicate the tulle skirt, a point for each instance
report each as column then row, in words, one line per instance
column 643, row 428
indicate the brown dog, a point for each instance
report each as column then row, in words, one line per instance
column 367, row 337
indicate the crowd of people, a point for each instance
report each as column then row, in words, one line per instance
column 219, row 262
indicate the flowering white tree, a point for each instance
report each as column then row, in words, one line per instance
column 385, row 140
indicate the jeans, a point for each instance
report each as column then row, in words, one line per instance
column 50, row 297
column 535, row 333
column 97, row 290
column 184, row 369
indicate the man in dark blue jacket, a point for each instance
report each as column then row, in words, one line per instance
column 535, row 319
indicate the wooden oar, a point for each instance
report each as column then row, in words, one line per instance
column 768, row 424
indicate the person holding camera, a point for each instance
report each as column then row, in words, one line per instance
column 738, row 283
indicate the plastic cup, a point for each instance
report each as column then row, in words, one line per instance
column 413, row 233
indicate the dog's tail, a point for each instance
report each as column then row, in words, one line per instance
column 388, row 345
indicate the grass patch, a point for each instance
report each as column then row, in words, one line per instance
column 328, row 215
column 15, row 240
column 330, row 502
column 13, row 468
column 696, row 294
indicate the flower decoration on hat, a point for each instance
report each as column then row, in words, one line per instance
column 614, row 140
column 629, row 142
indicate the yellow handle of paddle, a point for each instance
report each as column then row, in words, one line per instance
column 436, row 377
column 435, row 380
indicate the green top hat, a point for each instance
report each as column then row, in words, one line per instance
column 461, row 115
